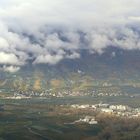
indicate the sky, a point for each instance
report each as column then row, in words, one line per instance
column 46, row 32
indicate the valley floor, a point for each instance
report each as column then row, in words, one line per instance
column 52, row 119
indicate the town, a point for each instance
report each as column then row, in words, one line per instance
column 68, row 93
column 110, row 109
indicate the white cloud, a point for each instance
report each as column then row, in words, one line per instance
column 8, row 58
column 3, row 43
column 74, row 55
column 48, row 31
column 11, row 69
column 48, row 59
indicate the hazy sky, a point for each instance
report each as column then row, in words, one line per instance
column 47, row 31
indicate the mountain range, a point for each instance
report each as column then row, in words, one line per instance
column 114, row 65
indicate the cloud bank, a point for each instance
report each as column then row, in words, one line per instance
column 49, row 31
column 11, row 69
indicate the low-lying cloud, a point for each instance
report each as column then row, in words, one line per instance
column 49, row 31
column 11, row 69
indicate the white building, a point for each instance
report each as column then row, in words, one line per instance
column 107, row 110
column 118, row 107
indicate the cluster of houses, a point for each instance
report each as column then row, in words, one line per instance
column 47, row 93
column 63, row 93
column 87, row 119
column 118, row 110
